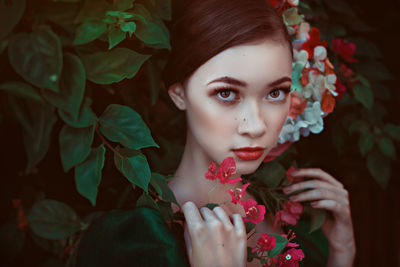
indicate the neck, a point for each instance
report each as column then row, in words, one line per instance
column 190, row 184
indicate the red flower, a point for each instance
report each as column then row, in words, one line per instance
column 238, row 193
column 274, row 3
column 291, row 258
column 277, row 151
column 315, row 40
column 290, row 213
column 226, row 170
column 22, row 220
column 254, row 212
column 297, row 106
column 265, row 242
column 346, row 71
column 345, row 49
column 290, row 177
column 328, row 102
column 340, row 89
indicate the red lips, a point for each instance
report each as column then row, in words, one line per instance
column 249, row 153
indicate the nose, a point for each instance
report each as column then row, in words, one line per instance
column 252, row 122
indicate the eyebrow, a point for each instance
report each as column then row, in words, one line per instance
column 233, row 81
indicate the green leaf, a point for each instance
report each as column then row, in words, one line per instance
column 37, row 57
column 21, row 89
column 379, row 166
column 52, row 219
column 75, row 145
column 363, row 95
column 115, row 36
column 366, row 48
column 152, row 32
column 374, row 70
column 279, row 246
column 123, row 5
column 134, row 167
column 366, row 142
column 124, row 125
column 270, row 174
column 392, row 130
column 317, row 219
column 387, row 147
column 145, row 200
column 37, row 121
column 89, row 31
column 10, row 14
column 88, row 174
column 85, row 118
column 129, row 27
column 113, row 66
column 291, row 16
column 71, row 87
column 159, row 183
column 166, row 210
column 162, row 9
column 12, row 241
column 211, row 206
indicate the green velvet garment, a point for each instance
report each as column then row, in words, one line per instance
column 140, row 237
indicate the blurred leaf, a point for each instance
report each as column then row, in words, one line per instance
column 60, row 13
column 52, row 219
column 161, row 9
column 145, row 200
column 71, row 87
column 338, row 138
column 115, row 36
column 249, row 226
column 366, row 142
column 88, row 174
column 89, row 31
column 270, row 174
column 75, row 145
column 387, row 147
column 211, row 206
column 365, row 48
column 92, row 10
column 317, row 219
column 280, row 244
column 134, row 167
column 123, row 5
column 113, row 66
column 3, row 45
column 158, row 181
column 392, row 130
column 37, row 57
column 340, row 6
column 124, row 125
column 154, row 77
column 10, row 14
column 86, row 116
column 374, row 70
column 21, row 89
column 381, row 91
column 12, row 241
column 379, row 166
column 37, row 121
column 166, row 210
column 363, row 95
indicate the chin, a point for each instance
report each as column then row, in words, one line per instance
column 247, row 167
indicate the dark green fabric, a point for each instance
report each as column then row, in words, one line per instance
column 137, row 237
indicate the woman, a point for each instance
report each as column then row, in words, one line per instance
column 230, row 72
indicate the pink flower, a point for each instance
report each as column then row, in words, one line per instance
column 238, row 193
column 290, row 213
column 346, row 71
column 265, row 242
column 291, row 258
column 254, row 212
column 290, row 177
column 340, row 89
column 345, row 49
column 226, row 170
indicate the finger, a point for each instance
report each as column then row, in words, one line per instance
column 339, row 211
column 208, row 215
column 221, row 214
column 311, row 184
column 316, row 173
column 239, row 224
column 192, row 216
column 319, row 194
column 188, row 243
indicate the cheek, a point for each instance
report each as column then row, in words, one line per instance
column 276, row 118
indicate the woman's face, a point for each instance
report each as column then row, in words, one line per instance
column 237, row 102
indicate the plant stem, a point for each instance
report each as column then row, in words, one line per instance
column 107, row 144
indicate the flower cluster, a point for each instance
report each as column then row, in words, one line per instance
column 266, row 244
column 314, row 81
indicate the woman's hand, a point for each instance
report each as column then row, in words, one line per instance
column 325, row 192
column 211, row 238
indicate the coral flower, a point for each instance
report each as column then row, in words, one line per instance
column 254, row 212
column 328, row 102
column 265, row 242
column 238, row 193
column 290, row 213
column 291, row 258
column 297, row 106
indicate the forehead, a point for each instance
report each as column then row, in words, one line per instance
column 256, row 64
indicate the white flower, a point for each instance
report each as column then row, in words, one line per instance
column 294, row 2
column 301, row 57
column 319, row 58
column 330, row 81
column 313, row 117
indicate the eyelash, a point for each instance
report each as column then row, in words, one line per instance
column 284, row 90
